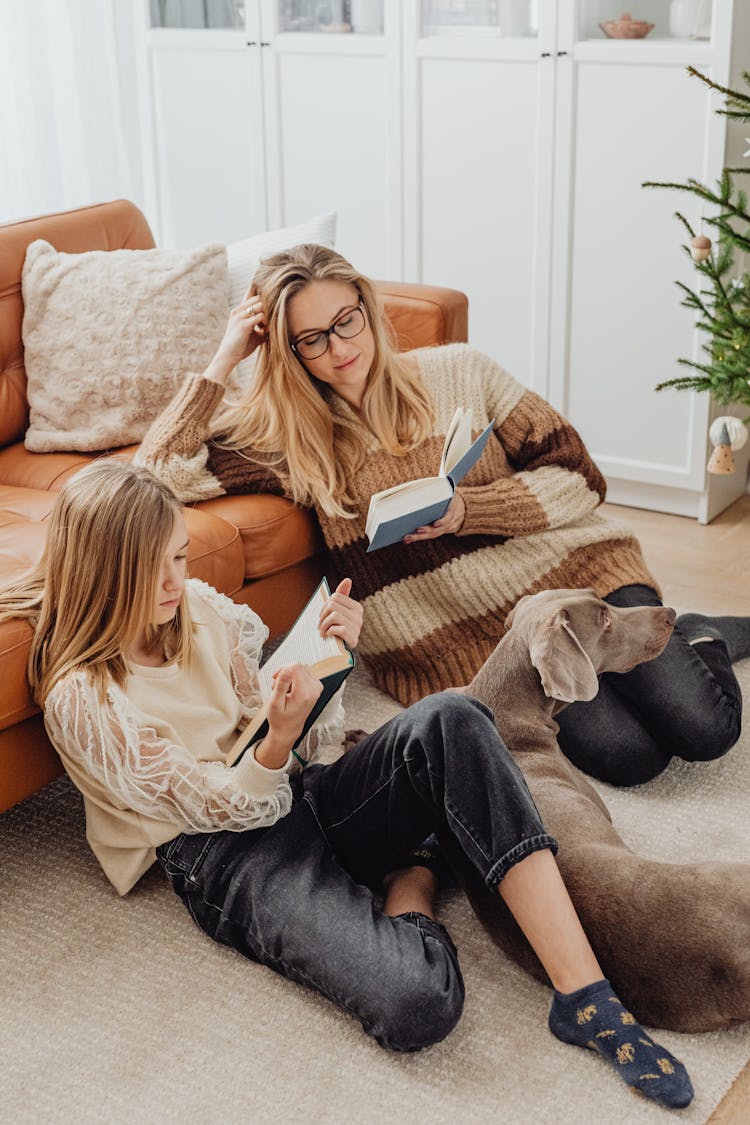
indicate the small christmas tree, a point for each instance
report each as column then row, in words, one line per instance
column 723, row 306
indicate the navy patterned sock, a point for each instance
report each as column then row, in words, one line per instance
column 593, row 1017
column 733, row 631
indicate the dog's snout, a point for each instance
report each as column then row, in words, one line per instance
column 669, row 615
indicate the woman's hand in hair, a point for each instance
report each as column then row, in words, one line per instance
column 448, row 524
column 246, row 329
column 341, row 616
column 295, row 690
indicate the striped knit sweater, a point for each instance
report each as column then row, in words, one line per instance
column 435, row 610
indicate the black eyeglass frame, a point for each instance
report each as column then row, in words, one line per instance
column 328, row 332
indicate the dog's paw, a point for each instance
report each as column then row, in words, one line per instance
column 352, row 737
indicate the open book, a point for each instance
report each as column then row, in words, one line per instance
column 328, row 658
column 402, row 509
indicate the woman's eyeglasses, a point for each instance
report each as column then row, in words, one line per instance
column 315, row 344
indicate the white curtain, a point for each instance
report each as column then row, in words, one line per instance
column 67, row 105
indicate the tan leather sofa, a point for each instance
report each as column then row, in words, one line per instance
column 258, row 549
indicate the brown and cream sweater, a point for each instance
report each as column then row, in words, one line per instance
column 435, row 610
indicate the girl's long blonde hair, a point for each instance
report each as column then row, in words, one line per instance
column 93, row 592
column 284, row 416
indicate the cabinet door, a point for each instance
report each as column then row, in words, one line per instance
column 478, row 98
column 209, row 136
column 631, row 114
column 332, row 123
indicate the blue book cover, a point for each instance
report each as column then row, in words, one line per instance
column 432, row 496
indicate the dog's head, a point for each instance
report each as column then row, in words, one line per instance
column 572, row 636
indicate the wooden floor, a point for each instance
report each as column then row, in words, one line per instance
column 703, row 568
column 706, row 569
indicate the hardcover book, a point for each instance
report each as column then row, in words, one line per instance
column 400, row 510
column 327, row 657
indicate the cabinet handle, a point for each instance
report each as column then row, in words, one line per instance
column 265, row 43
column 546, row 54
column 252, row 43
column 561, row 53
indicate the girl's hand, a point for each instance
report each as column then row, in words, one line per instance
column 246, row 329
column 448, row 524
column 295, row 690
column 341, row 616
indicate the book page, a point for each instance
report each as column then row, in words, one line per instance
column 405, row 497
column 453, row 428
column 459, row 443
column 303, row 644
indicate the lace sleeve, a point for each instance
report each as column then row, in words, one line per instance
column 146, row 773
column 246, row 635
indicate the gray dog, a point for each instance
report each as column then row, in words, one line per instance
column 674, row 940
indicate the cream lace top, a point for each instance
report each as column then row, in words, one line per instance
column 149, row 760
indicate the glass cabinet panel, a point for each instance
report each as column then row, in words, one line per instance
column 480, row 17
column 648, row 19
column 198, row 13
column 337, row 16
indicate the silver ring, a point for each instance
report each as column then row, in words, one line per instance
column 250, row 309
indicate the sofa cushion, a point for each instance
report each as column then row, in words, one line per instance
column 109, row 335
column 23, row 469
column 275, row 533
column 23, row 516
column 103, row 226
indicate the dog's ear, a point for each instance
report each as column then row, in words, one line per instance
column 566, row 672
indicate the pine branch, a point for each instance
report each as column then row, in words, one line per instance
column 734, row 95
column 692, row 300
column 680, row 216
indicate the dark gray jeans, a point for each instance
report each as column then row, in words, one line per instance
column 298, row 896
column 686, row 704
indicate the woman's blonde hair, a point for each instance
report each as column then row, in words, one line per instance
column 93, row 592
column 284, row 416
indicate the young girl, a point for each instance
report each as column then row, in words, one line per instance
column 334, row 415
column 145, row 675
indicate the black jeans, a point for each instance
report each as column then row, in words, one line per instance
column 298, row 896
column 686, row 704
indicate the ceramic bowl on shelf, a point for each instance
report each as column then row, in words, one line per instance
column 626, row 27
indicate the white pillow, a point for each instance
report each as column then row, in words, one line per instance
column 244, row 257
column 109, row 336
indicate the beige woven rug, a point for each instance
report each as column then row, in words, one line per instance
column 118, row 1010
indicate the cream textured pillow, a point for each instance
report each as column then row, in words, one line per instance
column 109, row 336
column 244, row 258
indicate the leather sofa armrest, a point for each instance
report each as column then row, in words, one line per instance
column 425, row 315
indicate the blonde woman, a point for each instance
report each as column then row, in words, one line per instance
column 145, row 675
column 334, row 415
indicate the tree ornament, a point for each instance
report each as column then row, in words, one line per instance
column 722, row 460
column 700, row 248
column 735, row 428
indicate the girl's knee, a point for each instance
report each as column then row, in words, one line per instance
column 422, row 1000
column 453, row 710
column 423, row 1013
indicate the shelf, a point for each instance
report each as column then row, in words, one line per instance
column 647, row 51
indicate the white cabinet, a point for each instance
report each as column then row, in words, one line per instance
column 478, row 165
column 293, row 113
column 631, row 113
column 524, row 161
column 332, row 113
column 497, row 146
